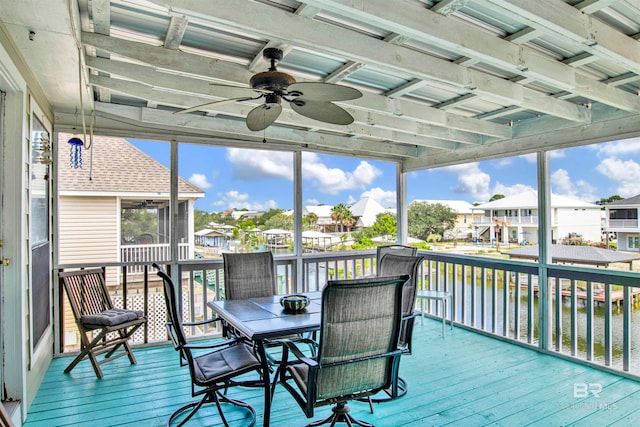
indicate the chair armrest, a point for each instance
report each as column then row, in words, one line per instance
column 217, row 344
column 299, row 355
column 413, row 315
column 202, row 322
column 394, row 353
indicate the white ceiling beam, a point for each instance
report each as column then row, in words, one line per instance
column 421, row 24
column 546, row 133
column 175, row 32
column 592, row 6
column 237, row 130
column 276, row 24
column 101, row 13
column 405, row 88
column 455, row 102
column 523, row 36
column 623, row 79
column 341, row 73
column 187, row 64
column 447, row 7
column 366, row 124
column 581, row 59
column 567, row 22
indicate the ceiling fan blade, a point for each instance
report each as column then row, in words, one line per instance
column 215, row 103
column 317, row 91
column 262, row 116
column 322, row 111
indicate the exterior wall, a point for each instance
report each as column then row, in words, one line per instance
column 22, row 368
column 623, row 241
column 585, row 222
column 88, row 229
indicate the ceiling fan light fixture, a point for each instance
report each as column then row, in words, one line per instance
column 272, row 99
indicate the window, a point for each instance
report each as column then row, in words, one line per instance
column 634, row 242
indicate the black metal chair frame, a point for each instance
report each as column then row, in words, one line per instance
column 211, row 385
column 306, row 397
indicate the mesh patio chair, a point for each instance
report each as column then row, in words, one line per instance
column 352, row 362
column 103, row 328
column 252, row 275
column 394, row 265
column 395, row 250
column 249, row 275
column 212, row 372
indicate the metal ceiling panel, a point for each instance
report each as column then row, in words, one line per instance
column 434, row 74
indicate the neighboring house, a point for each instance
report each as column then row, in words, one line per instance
column 245, row 215
column 323, row 213
column 117, row 176
column 621, row 217
column 466, row 217
column 515, row 219
column 365, row 211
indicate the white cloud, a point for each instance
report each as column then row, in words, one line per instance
column 236, row 200
column 617, row 148
column 471, row 180
column 385, row 198
column 200, row 180
column 312, row 202
column 258, row 164
column 562, row 184
column 625, row 172
column 334, row 180
column 531, row 157
column 511, row 190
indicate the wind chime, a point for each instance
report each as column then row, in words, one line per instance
column 76, row 145
column 75, row 153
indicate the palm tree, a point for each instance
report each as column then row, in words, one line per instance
column 311, row 219
column 339, row 213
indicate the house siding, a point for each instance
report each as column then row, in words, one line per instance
column 583, row 221
column 88, row 229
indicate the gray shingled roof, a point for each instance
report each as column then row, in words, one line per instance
column 117, row 166
column 634, row 200
column 575, row 254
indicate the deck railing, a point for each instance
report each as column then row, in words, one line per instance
column 622, row 223
column 512, row 220
column 591, row 322
column 139, row 255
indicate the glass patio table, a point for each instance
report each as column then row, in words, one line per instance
column 261, row 319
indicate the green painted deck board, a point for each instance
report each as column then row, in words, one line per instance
column 464, row 379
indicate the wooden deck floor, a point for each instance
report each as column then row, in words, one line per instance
column 465, row 379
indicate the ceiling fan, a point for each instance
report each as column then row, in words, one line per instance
column 312, row 99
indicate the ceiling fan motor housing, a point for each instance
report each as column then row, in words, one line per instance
column 274, row 81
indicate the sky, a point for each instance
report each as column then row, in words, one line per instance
column 260, row 180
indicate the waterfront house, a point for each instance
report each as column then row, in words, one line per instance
column 117, row 177
column 519, row 214
column 444, row 83
column 366, row 210
column 621, row 217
